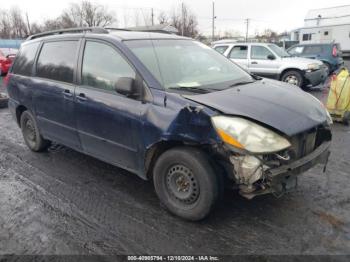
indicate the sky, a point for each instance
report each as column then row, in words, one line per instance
column 278, row 15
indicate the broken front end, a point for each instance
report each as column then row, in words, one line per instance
column 261, row 161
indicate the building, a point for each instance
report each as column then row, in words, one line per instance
column 326, row 25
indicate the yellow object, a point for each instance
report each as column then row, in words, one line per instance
column 338, row 102
column 229, row 139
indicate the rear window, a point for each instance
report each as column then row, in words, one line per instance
column 57, row 60
column 25, row 60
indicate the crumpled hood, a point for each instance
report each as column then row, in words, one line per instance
column 284, row 107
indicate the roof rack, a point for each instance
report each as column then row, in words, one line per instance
column 116, row 29
column 97, row 30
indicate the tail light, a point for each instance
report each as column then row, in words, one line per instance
column 335, row 51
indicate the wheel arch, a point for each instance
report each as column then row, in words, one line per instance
column 290, row 69
column 19, row 111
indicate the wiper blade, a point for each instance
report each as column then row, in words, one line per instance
column 241, row 83
column 193, row 89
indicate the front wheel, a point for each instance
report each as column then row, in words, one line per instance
column 293, row 77
column 186, row 183
column 31, row 134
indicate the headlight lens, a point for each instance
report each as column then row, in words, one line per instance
column 313, row 66
column 244, row 134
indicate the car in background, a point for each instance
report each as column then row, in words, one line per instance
column 7, row 56
column 330, row 54
column 271, row 61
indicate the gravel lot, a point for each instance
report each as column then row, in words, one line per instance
column 63, row 202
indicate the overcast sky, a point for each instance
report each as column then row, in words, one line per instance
column 279, row 15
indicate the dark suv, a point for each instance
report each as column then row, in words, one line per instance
column 166, row 108
column 330, row 54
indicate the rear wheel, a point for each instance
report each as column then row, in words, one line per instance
column 186, row 183
column 293, row 77
column 31, row 134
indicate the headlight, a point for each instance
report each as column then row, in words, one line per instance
column 247, row 135
column 313, row 66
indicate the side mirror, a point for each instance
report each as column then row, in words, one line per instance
column 126, row 86
column 271, row 57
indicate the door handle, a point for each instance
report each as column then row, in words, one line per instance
column 254, row 63
column 67, row 93
column 81, row 97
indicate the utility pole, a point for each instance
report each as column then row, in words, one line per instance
column 246, row 33
column 28, row 24
column 152, row 15
column 183, row 19
column 213, row 23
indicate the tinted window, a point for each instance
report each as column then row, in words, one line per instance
column 316, row 49
column 25, row 60
column 307, row 37
column 221, row 49
column 260, row 52
column 57, row 60
column 103, row 66
column 239, row 52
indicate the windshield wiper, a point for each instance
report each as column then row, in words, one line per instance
column 242, row 83
column 191, row 89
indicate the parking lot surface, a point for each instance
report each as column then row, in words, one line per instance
column 63, row 202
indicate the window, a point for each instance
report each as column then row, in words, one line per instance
column 325, row 33
column 260, row 52
column 313, row 49
column 307, row 37
column 103, row 66
column 187, row 63
column 25, row 60
column 221, row 49
column 57, row 61
column 239, row 52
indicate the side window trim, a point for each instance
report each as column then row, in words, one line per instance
column 34, row 69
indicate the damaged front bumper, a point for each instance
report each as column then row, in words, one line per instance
column 284, row 178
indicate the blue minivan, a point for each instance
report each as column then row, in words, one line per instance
column 169, row 109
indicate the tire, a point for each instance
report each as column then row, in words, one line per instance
column 3, row 101
column 293, row 77
column 186, row 183
column 31, row 134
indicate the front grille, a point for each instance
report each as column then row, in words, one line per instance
column 306, row 142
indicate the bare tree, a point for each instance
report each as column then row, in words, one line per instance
column 183, row 19
column 87, row 14
column 5, row 25
column 17, row 23
column 163, row 18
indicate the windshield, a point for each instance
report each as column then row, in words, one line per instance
column 187, row 63
column 279, row 51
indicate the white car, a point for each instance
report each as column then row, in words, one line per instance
column 269, row 60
